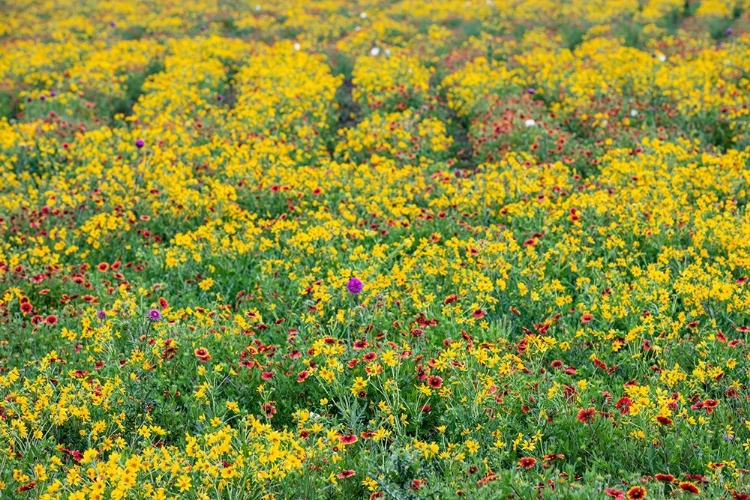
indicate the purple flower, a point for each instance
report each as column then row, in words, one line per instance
column 101, row 315
column 354, row 286
column 531, row 91
column 52, row 93
column 139, row 143
column 154, row 315
column 219, row 97
column 42, row 97
column 729, row 31
column 112, row 24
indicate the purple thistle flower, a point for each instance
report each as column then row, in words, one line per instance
column 101, row 315
column 139, row 143
column 354, row 286
column 154, row 315
column 219, row 97
column 52, row 93
column 531, row 90
column 729, row 31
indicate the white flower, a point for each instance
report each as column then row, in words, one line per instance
column 257, row 7
column 529, row 123
column 363, row 15
column 387, row 52
column 296, row 46
column 605, row 123
column 357, row 28
column 633, row 112
column 661, row 57
column 374, row 51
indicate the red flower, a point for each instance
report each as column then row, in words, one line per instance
column 586, row 416
column 163, row 303
column 269, row 408
column 710, row 404
column 348, row 439
column 370, row 356
column 689, row 487
column 345, row 473
column 26, row 307
column 267, row 375
column 478, row 314
column 527, row 462
column 360, row 344
column 103, row 266
column 302, row 376
column 202, row 354
column 51, row 320
column 636, row 492
column 450, row 299
column 623, row 404
column 665, row 478
column 664, row 420
column 586, row 318
column 435, row 382
column 26, row 487
column 615, row 493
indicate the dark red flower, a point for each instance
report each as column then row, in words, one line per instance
column 435, row 382
column 586, row 416
column 527, row 462
column 689, row 487
column 202, row 354
column 664, row 420
column 665, row 478
column 345, row 473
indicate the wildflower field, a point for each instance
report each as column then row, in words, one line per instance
column 390, row 249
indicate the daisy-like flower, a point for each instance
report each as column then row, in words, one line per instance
column 435, row 382
column 615, row 493
column 202, row 354
column 345, row 474
column 689, row 487
column 586, row 416
column 664, row 420
column 154, row 315
column 348, row 439
column 636, row 493
column 527, row 462
column 665, row 478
